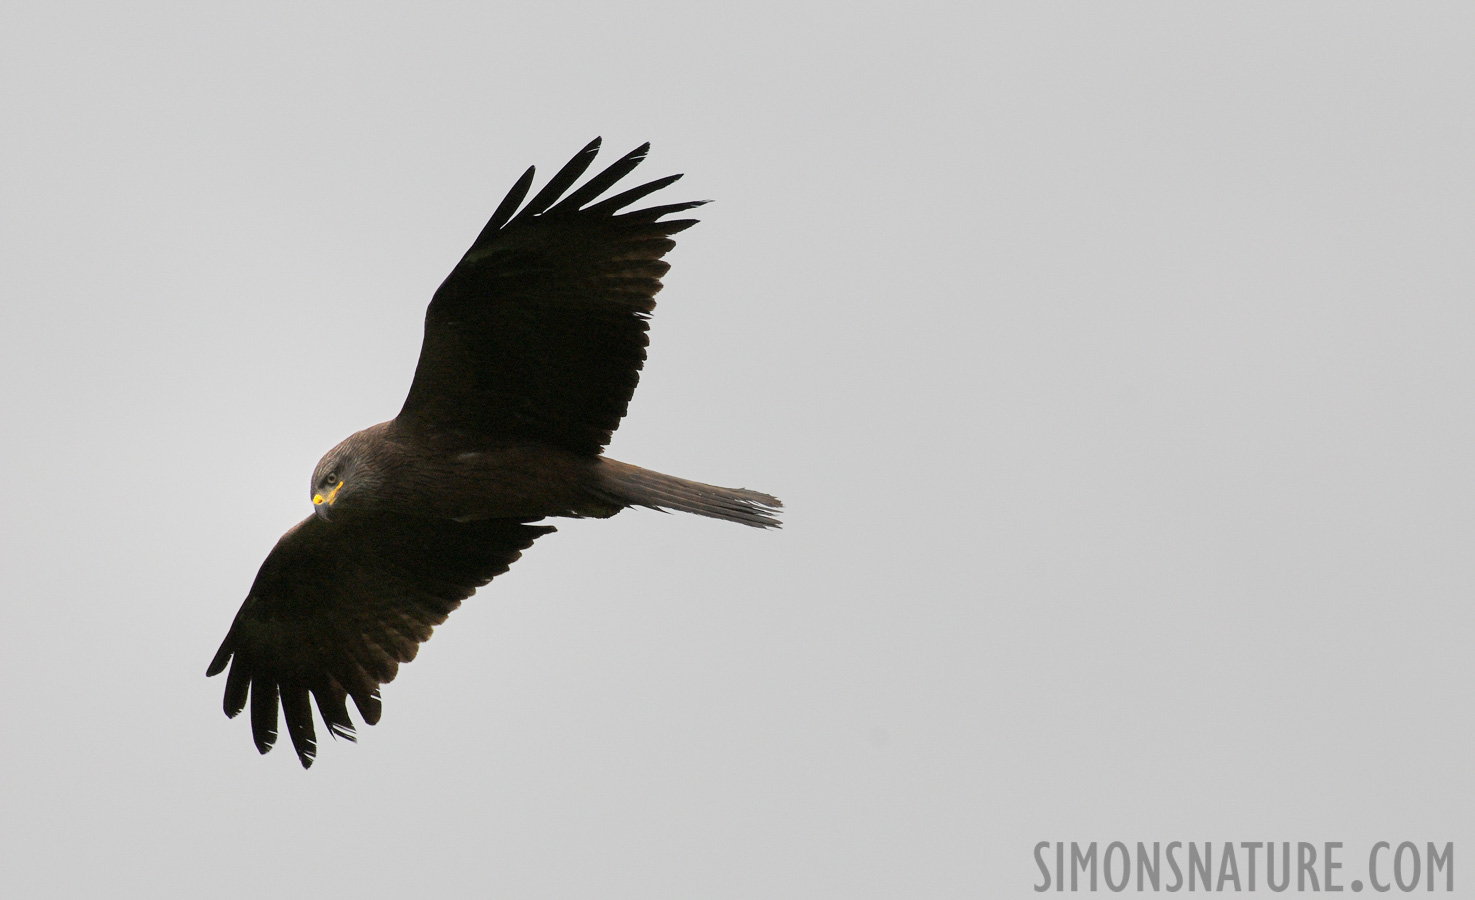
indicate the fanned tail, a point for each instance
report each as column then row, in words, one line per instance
column 630, row 485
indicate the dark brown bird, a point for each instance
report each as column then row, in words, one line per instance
column 533, row 347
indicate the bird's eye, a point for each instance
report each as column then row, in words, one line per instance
column 331, row 479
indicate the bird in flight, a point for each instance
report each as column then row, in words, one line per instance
column 533, row 347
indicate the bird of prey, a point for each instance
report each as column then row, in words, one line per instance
column 533, row 346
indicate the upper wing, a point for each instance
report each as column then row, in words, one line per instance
column 539, row 333
column 336, row 607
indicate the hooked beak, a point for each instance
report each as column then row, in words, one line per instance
column 322, row 503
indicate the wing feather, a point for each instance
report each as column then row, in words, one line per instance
column 297, row 710
column 264, row 713
column 618, row 202
column 506, row 208
column 337, row 607
column 237, row 686
column 540, row 333
column 606, row 179
column 560, row 182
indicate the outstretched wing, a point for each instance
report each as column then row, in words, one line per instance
column 336, row 607
column 540, row 331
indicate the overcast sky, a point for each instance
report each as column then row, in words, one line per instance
column 1114, row 362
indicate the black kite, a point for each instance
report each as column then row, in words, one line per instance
column 533, row 347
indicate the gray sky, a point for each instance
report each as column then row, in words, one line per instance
column 1114, row 362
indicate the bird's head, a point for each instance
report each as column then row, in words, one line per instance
column 342, row 481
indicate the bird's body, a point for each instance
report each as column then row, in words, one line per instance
column 408, row 469
column 533, row 347
column 401, row 468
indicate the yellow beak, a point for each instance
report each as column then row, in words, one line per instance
column 319, row 499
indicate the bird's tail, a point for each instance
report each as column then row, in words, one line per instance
column 630, row 485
